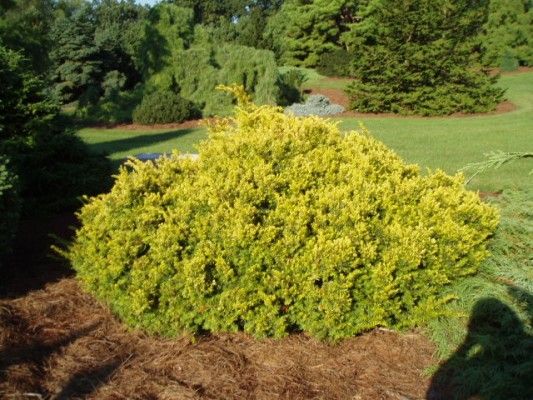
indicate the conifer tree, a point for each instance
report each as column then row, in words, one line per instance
column 76, row 58
column 25, row 28
column 420, row 57
column 302, row 30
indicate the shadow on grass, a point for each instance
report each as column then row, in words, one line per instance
column 495, row 361
column 137, row 141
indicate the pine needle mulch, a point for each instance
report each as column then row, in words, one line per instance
column 59, row 343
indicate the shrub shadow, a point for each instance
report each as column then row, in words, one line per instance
column 135, row 142
column 83, row 383
column 32, row 263
column 495, row 361
column 35, row 351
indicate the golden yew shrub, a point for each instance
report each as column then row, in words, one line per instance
column 282, row 224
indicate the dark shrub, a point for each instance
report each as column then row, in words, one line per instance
column 9, row 207
column 164, row 107
column 290, row 84
column 335, row 63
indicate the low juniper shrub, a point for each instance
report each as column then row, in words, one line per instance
column 281, row 224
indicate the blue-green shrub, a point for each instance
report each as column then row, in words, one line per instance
column 316, row 104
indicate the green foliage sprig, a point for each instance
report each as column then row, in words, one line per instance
column 494, row 160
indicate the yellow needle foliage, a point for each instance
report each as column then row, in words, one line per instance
column 283, row 224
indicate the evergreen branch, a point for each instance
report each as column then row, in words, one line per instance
column 494, row 160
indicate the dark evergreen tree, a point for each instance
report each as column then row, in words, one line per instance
column 118, row 36
column 210, row 11
column 241, row 21
column 420, row 57
column 75, row 56
column 24, row 104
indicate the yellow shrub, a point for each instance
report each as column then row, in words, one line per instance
column 282, row 224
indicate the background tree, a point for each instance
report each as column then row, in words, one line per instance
column 213, row 63
column 302, row 30
column 24, row 104
column 420, row 56
column 118, row 36
column 508, row 34
column 210, row 11
column 25, row 27
column 76, row 58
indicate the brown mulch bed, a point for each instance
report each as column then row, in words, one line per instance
column 60, row 343
column 57, row 342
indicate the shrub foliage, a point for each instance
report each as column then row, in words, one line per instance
column 163, row 107
column 282, row 224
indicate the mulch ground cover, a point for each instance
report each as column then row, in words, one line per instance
column 57, row 342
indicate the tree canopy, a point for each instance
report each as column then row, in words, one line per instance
column 302, row 30
column 508, row 34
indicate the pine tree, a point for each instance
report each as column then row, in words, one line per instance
column 24, row 104
column 76, row 58
column 302, row 30
column 25, row 27
column 420, row 57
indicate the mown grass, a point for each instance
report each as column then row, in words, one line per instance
column 451, row 143
column 121, row 143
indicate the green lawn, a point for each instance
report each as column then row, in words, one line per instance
column 447, row 143
column 451, row 143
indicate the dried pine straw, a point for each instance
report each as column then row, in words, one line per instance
column 59, row 343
